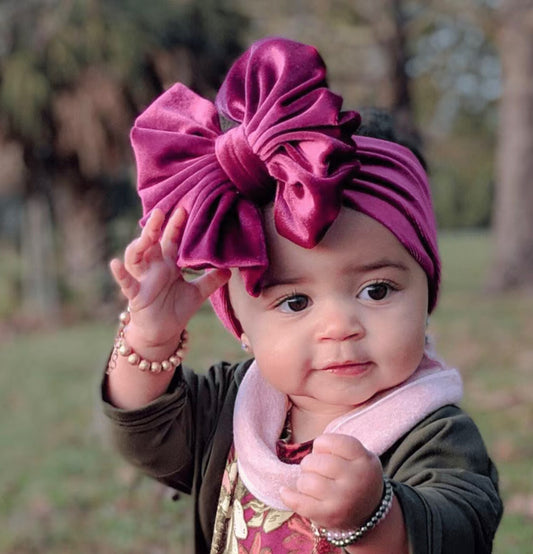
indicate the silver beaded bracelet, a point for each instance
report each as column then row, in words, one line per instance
column 345, row 538
column 122, row 348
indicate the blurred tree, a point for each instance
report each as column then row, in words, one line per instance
column 73, row 75
column 454, row 47
column 390, row 23
column 513, row 222
column 456, row 73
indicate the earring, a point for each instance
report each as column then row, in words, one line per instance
column 427, row 337
column 245, row 343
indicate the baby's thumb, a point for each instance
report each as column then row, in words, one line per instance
column 211, row 280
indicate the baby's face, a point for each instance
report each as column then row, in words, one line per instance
column 336, row 324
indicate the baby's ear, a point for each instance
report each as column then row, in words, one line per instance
column 245, row 343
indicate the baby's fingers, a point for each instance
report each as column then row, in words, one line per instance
column 136, row 252
column 129, row 286
column 172, row 234
column 343, row 446
column 301, row 503
column 294, row 500
column 210, row 281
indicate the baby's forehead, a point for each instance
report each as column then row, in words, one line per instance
column 349, row 225
column 355, row 242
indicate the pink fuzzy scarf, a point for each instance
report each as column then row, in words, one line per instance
column 260, row 412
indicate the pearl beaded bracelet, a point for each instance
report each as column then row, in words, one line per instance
column 345, row 538
column 122, row 348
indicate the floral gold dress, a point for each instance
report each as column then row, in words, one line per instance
column 246, row 525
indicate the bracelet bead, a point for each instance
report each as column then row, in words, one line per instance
column 123, row 349
column 346, row 538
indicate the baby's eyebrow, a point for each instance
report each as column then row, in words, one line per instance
column 271, row 282
column 379, row 264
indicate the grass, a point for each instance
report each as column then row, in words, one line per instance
column 63, row 489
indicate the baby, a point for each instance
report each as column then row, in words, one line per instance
column 342, row 430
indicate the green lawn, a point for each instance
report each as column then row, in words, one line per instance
column 63, row 490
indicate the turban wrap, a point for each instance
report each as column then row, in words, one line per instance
column 290, row 145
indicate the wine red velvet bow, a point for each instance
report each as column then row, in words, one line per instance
column 289, row 144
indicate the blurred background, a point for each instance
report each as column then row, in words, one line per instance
column 457, row 76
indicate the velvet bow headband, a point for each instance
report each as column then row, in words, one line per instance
column 290, row 144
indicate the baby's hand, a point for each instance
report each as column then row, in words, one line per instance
column 340, row 486
column 161, row 301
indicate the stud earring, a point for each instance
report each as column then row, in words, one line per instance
column 245, row 343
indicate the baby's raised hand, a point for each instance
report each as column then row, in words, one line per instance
column 340, row 485
column 161, row 301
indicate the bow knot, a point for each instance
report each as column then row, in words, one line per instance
column 243, row 166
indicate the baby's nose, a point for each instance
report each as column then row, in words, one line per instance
column 339, row 320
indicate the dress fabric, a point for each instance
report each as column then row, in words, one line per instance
column 245, row 525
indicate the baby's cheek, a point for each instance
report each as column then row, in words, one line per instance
column 407, row 350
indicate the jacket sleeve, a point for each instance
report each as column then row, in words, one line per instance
column 446, row 484
column 167, row 438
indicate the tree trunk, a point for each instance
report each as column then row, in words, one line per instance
column 40, row 297
column 390, row 27
column 83, row 242
column 513, row 208
column 402, row 105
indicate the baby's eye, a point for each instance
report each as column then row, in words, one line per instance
column 294, row 303
column 376, row 291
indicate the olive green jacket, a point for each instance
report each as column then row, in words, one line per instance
column 445, row 482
